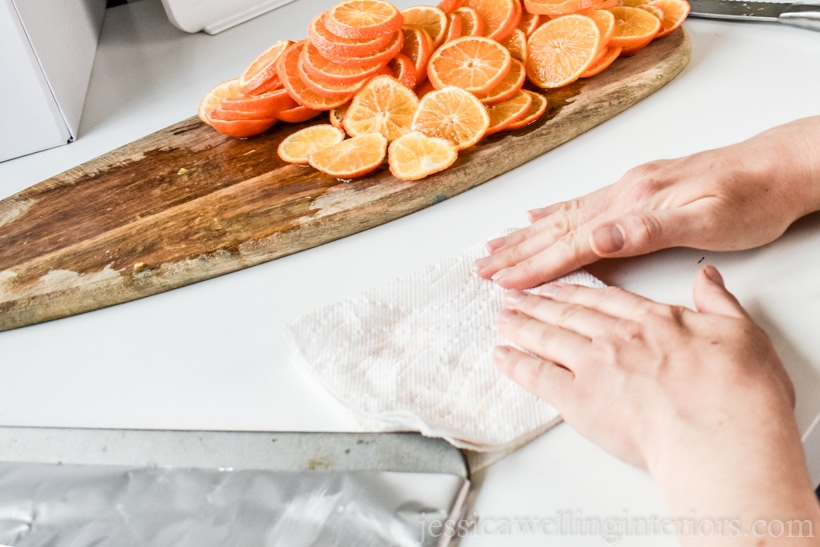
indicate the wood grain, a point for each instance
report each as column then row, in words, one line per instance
column 186, row 203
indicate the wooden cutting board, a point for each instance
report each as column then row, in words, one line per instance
column 186, row 203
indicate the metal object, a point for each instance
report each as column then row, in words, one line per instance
column 798, row 15
column 204, row 488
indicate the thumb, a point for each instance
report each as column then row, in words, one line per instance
column 641, row 233
column 712, row 297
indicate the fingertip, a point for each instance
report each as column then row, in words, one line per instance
column 713, row 275
column 712, row 296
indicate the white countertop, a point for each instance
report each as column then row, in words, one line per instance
column 212, row 356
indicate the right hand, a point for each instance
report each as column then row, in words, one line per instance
column 738, row 197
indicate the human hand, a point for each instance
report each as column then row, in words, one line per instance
column 732, row 198
column 638, row 377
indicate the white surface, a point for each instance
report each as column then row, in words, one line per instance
column 214, row 16
column 48, row 52
column 212, row 355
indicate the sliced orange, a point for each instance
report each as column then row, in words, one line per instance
column 554, row 8
column 634, row 27
column 335, row 48
column 414, row 155
column 380, row 56
column 675, row 13
column 265, row 105
column 430, row 18
column 383, row 106
column 603, row 62
column 337, row 115
column 352, row 157
column 606, row 24
column 329, row 89
column 454, row 29
column 514, row 81
column 448, row 6
column 287, row 67
column 530, row 22
column 517, row 44
column 472, row 23
column 537, row 109
column 322, row 69
column 402, row 68
column 298, row 146
column 363, row 19
column 418, row 46
column 454, row 114
column 654, row 10
column 296, row 113
column 561, row 49
column 261, row 73
column 503, row 114
column 424, row 88
column 473, row 63
column 500, row 16
column 239, row 128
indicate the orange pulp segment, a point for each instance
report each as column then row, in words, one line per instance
column 298, row 146
column 454, row 114
column 414, row 155
column 561, row 49
column 473, row 63
column 352, row 157
column 383, row 106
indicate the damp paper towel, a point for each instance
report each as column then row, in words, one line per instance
column 416, row 355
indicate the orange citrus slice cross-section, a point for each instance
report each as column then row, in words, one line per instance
column 473, row 63
column 561, row 49
column 453, row 114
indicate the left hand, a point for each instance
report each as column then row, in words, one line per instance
column 641, row 378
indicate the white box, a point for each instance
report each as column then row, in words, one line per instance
column 48, row 49
column 214, row 16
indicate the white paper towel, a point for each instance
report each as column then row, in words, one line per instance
column 416, row 354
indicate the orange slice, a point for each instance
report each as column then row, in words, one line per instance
column 418, row 46
column 454, row 29
column 363, row 19
column 606, row 24
column 448, row 6
column 530, row 22
column 239, row 128
column 499, row 16
column 403, row 69
column 603, row 62
column 634, row 27
column 264, row 105
column 380, row 56
column 561, row 49
column 383, row 106
column 298, row 114
column 675, row 13
column 473, row 63
column 430, row 18
column 454, row 114
column 537, row 109
column 322, row 69
column 516, row 43
column 555, row 8
column 472, row 23
column 414, row 155
column 352, row 157
column 334, row 48
column 424, row 88
column 261, row 73
column 287, row 67
column 654, row 10
column 326, row 88
column 298, row 146
column 503, row 114
column 337, row 116
column 514, row 81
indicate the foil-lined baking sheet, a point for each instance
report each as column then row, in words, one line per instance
column 75, row 487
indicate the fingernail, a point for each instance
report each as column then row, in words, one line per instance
column 481, row 263
column 495, row 244
column 514, row 297
column 500, row 353
column 608, row 238
column 549, row 290
column 712, row 273
column 505, row 315
column 499, row 275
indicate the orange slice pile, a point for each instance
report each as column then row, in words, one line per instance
column 418, row 85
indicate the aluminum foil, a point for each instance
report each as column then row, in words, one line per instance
column 80, row 505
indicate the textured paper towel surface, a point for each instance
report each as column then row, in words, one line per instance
column 416, row 354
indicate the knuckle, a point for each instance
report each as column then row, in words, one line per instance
column 627, row 330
